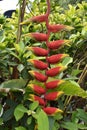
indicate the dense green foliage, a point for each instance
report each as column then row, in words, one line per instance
column 16, row 111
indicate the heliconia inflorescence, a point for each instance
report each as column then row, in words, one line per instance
column 44, row 70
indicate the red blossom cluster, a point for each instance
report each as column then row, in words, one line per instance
column 44, row 68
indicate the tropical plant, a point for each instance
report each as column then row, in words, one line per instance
column 41, row 96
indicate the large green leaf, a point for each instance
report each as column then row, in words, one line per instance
column 20, row 128
column 14, row 83
column 51, row 122
column 8, row 114
column 73, row 126
column 42, row 120
column 19, row 112
column 72, row 88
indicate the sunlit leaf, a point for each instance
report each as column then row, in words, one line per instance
column 72, row 88
column 14, row 83
column 67, row 61
column 20, row 128
column 33, row 105
column 19, row 112
column 42, row 120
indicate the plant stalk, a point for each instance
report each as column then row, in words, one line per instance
column 22, row 7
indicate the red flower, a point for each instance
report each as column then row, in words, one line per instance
column 40, row 18
column 51, row 111
column 53, row 95
column 39, row 64
column 58, row 27
column 37, row 98
column 37, row 89
column 54, row 71
column 38, row 51
column 56, row 58
column 53, row 84
column 37, row 36
column 58, row 43
column 55, row 28
column 40, row 77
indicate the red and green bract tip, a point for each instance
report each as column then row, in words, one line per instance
column 57, row 44
column 51, row 111
column 53, row 95
column 39, row 19
column 40, row 77
column 56, row 58
column 37, row 98
column 58, row 27
column 37, row 36
column 37, row 89
column 53, row 84
column 54, row 71
column 38, row 51
column 38, row 64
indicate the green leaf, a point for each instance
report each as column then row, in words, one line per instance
column 82, row 127
column 51, row 122
column 72, row 88
column 1, row 121
column 20, row 128
column 22, row 46
column 73, row 126
column 33, row 105
column 29, row 120
column 76, row 72
column 42, row 0
column 82, row 115
column 42, row 120
column 70, row 126
column 67, row 61
column 19, row 111
column 20, row 67
column 14, row 83
column 0, row 108
column 8, row 114
column 18, row 48
column 58, row 116
column 14, row 54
